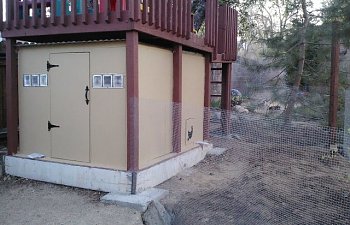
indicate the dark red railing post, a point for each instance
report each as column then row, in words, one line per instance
column 169, row 15
column 137, row 10
column 151, row 12
column 174, row 17
column 63, row 13
column 1, row 16
column 145, row 12
column 16, row 14
column 11, row 96
column 96, row 11
column 25, row 14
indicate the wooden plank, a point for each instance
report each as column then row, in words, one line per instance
column 132, row 73
column 207, row 84
column 177, row 97
column 9, row 14
column 53, row 13
column 145, row 11
column 11, row 96
column 43, row 13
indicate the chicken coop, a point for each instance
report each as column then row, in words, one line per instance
column 111, row 95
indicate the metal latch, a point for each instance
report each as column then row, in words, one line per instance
column 49, row 66
column 50, row 126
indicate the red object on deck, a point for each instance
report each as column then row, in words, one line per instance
column 113, row 4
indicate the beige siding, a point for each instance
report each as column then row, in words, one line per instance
column 107, row 107
column 192, row 98
column 155, row 113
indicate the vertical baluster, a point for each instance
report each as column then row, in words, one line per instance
column 157, row 14
column 184, row 18
column 163, row 10
column 189, row 20
column 53, row 12
column 169, row 15
column 16, row 14
column 96, row 11
column 137, row 10
column 130, row 8
column 63, row 12
column 9, row 13
column 145, row 11
column 73, row 14
column 179, row 17
column 207, row 27
column 175, row 6
column 151, row 12
column 43, row 13
column 1, row 16
column 25, row 14
column 105, row 10
column 34, row 13
column 84, row 11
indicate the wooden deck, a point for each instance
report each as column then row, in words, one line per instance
column 168, row 21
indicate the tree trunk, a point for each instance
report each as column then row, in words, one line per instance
column 301, row 62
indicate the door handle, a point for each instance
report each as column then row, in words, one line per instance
column 50, row 125
column 86, row 95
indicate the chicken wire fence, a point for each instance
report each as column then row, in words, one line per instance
column 274, row 173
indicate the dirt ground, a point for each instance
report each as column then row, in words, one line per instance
column 263, row 183
column 29, row 202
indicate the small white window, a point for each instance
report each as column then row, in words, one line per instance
column 43, row 80
column 107, row 81
column 35, row 80
column 27, row 80
column 118, row 81
column 97, row 81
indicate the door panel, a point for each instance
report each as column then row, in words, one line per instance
column 69, row 109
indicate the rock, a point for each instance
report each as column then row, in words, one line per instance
column 240, row 109
column 156, row 214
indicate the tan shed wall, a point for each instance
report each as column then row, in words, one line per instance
column 155, row 112
column 107, row 107
column 193, row 74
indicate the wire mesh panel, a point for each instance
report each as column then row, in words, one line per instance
column 272, row 172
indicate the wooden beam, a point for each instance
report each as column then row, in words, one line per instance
column 11, row 96
column 132, row 73
column 177, row 98
column 226, row 96
column 207, row 84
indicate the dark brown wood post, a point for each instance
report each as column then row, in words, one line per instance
column 226, row 97
column 333, row 102
column 132, row 73
column 177, row 97
column 11, row 96
column 206, row 122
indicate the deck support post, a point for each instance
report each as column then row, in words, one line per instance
column 177, row 98
column 132, row 73
column 11, row 96
column 226, row 97
column 207, row 80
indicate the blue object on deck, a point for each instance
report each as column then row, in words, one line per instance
column 79, row 7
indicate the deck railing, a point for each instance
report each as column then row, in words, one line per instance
column 52, row 17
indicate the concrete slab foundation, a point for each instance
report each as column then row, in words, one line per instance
column 102, row 179
column 139, row 201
